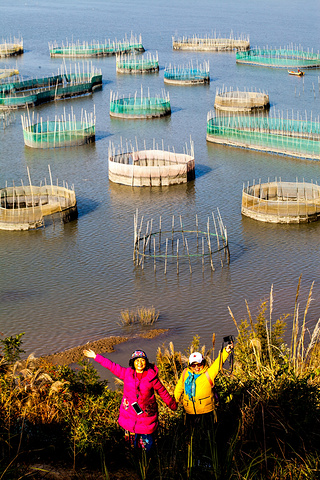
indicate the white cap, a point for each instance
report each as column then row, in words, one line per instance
column 195, row 357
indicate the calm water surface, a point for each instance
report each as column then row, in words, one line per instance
column 66, row 284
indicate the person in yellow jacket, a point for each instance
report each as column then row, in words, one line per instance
column 196, row 384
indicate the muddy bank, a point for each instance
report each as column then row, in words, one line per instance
column 104, row 345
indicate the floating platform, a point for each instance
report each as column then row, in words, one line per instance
column 64, row 131
column 150, row 168
column 287, row 57
column 139, row 106
column 211, row 44
column 275, row 134
column 26, row 207
column 240, row 101
column 10, row 48
column 281, row 202
column 96, row 49
column 187, row 74
column 131, row 63
column 35, row 91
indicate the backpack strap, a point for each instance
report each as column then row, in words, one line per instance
column 209, row 378
column 184, row 375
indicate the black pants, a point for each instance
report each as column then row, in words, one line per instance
column 199, row 424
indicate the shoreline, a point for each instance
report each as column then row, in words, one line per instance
column 103, row 345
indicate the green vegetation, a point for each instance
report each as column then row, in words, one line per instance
column 268, row 416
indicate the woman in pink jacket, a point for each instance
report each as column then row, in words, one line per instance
column 138, row 410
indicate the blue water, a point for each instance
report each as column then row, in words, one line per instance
column 66, row 285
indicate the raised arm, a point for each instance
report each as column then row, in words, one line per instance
column 116, row 369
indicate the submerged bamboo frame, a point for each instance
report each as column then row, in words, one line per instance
column 153, row 244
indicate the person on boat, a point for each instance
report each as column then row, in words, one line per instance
column 138, row 414
column 196, row 385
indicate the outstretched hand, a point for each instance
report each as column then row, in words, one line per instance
column 229, row 348
column 89, row 353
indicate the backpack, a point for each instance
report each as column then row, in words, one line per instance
column 216, row 398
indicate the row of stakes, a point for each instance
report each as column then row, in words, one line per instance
column 144, row 243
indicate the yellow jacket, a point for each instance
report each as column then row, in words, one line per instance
column 203, row 402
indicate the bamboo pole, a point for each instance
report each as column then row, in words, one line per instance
column 172, row 228
column 165, row 258
column 182, row 230
column 188, row 256
column 177, row 256
column 209, row 245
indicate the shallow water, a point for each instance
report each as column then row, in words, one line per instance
column 66, row 284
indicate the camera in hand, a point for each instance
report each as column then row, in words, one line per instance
column 136, row 407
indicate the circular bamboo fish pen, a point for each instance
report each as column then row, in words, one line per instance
column 175, row 245
column 76, row 82
column 139, row 106
column 187, row 74
column 277, row 133
column 10, row 48
column 26, row 207
column 283, row 57
column 241, row 101
column 60, row 132
column 281, row 202
column 96, row 49
column 150, row 168
column 214, row 43
column 134, row 64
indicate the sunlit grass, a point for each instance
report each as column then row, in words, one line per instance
column 142, row 315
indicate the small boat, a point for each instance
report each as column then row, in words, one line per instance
column 298, row 73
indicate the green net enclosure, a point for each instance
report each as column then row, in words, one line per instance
column 64, row 131
column 11, row 47
column 27, row 207
column 140, row 106
column 96, row 49
column 281, row 202
column 241, row 101
column 214, row 43
column 151, row 167
column 286, row 57
column 131, row 63
column 69, row 83
column 187, row 74
column 278, row 133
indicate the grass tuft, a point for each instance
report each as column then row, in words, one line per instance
column 142, row 315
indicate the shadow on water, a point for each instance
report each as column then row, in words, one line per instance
column 201, row 170
column 100, row 135
column 86, row 206
column 176, row 109
column 14, row 296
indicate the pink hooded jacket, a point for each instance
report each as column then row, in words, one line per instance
column 141, row 391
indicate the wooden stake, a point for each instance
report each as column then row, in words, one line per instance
column 177, row 256
column 188, row 256
column 172, row 228
column 182, row 230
